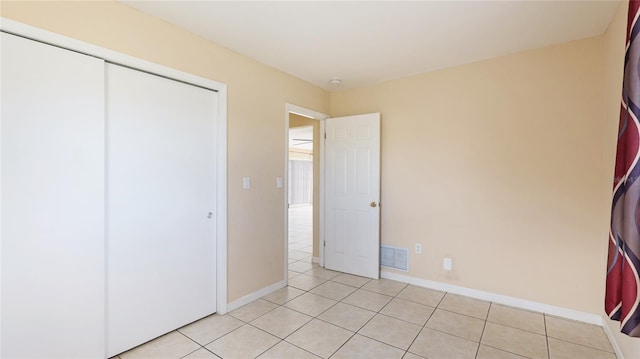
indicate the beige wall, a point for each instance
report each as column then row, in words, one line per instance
column 614, row 43
column 297, row 121
column 499, row 165
column 256, row 100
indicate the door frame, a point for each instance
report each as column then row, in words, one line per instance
column 314, row 115
column 37, row 34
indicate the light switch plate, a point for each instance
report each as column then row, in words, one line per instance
column 278, row 182
column 246, row 182
column 447, row 264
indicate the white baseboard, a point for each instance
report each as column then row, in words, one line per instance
column 255, row 295
column 498, row 298
column 612, row 338
column 513, row 302
column 315, row 260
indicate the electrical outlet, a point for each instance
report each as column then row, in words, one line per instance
column 447, row 264
column 246, row 183
column 418, row 248
column 278, row 182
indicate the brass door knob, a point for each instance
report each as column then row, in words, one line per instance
column 374, row 204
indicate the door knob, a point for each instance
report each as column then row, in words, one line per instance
column 374, row 204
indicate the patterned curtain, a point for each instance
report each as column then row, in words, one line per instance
column 622, row 298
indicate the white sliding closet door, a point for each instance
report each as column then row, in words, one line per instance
column 161, row 185
column 51, row 202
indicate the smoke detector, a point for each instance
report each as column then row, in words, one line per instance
column 335, row 81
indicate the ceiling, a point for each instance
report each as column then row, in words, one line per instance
column 366, row 42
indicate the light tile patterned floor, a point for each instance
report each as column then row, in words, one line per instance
column 300, row 235
column 326, row 314
column 343, row 316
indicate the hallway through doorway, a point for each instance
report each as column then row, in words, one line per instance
column 300, row 239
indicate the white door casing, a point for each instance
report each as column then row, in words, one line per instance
column 352, row 195
column 321, row 117
column 161, row 197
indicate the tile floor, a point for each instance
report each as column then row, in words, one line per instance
column 334, row 315
column 326, row 314
column 300, row 236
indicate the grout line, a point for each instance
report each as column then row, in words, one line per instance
column 546, row 335
column 273, row 335
column 379, row 312
column 391, row 345
column 364, row 325
column 506, row 351
column 453, row 335
column 461, row 314
column 512, row 327
column 316, row 317
column 300, row 347
column 400, row 319
column 582, row 345
column 339, row 326
column 349, row 330
column 222, row 336
column 516, row 328
column 425, row 322
column 191, row 352
column 186, row 336
column 343, row 344
column 202, row 347
column 262, row 315
column 442, row 299
column 483, row 329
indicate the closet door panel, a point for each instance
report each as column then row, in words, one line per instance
column 161, row 243
column 51, row 202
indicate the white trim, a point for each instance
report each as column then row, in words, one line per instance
column 58, row 40
column 298, row 110
column 104, row 314
column 314, row 115
column 285, row 186
column 255, row 295
column 321, row 239
column 498, row 298
column 221, row 205
column 612, row 338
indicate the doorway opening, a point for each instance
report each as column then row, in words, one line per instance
column 303, row 190
column 301, row 177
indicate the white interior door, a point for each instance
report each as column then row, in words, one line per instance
column 52, row 201
column 352, row 193
column 161, row 182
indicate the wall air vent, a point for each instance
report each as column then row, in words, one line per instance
column 394, row 258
